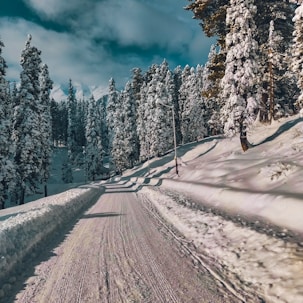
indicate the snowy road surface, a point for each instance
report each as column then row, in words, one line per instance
column 121, row 250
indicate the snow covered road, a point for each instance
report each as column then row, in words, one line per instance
column 257, row 261
column 121, row 250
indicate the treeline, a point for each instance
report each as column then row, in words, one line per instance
column 25, row 127
column 135, row 123
column 257, row 65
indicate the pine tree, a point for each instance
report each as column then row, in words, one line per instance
column 26, row 129
column 71, row 140
column 209, row 91
column 129, row 109
column 192, row 121
column 45, row 125
column 55, row 114
column 111, row 110
column 159, row 119
column 59, row 118
column 177, row 77
column 274, row 36
column 101, row 104
column 240, row 82
column 81, row 114
column 142, row 113
column 297, row 62
column 72, row 123
column 118, row 145
column 183, row 101
column 6, row 165
column 94, row 148
column 212, row 16
column 136, row 84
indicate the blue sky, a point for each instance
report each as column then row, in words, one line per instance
column 91, row 41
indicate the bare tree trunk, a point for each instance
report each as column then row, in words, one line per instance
column 263, row 108
column 244, row 141
column 45, row 190
column 243, row 137
column 22, row 197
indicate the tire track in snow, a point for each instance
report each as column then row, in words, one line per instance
column 120, row 252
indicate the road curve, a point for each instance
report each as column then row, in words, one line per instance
column 120, row 252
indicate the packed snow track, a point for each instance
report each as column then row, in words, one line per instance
column 120, row 250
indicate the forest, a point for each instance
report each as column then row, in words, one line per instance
column 254, row 71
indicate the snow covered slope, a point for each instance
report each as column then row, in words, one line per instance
column 264, row 182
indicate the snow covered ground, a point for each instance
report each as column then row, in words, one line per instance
column 23, row 227
column 265, row 182
column 242, row 210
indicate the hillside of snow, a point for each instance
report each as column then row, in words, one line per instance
column 264, row 182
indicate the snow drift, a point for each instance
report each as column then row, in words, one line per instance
column 23, row 227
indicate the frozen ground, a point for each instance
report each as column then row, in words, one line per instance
column 243, row 211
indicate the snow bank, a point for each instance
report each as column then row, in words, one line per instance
column 284, row 211
column 23, row 227
column 280, row 210
column 251, row 264
column 264, row 183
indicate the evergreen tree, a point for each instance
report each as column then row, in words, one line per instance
column 111, row 110
column 118, row 147
column 6, row 165
column 136, row 84
column 94, row 148
column 159, row 119
column 240, row 82
column 209, row 91
column 72, row 124
column 72, row 147
column 54, row 109
column 212, row 15
column 192, row 126
column 45, row 124
column 274, row 36
column 81, row 114
column 59, row 118
column 183, row 101
column 101, row 104
column 177, row 77
column 26, row 129
column 297, row 62
column 143, row 113
column 125, row 140
column 129, row 110
column 67, row 172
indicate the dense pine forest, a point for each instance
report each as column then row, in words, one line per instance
column 254, row 71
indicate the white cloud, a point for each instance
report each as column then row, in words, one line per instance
column 67, row 55
column 106, row 38
column 55, row 9
column 140, row 23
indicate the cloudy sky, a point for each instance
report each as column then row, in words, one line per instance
column 91, row 41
